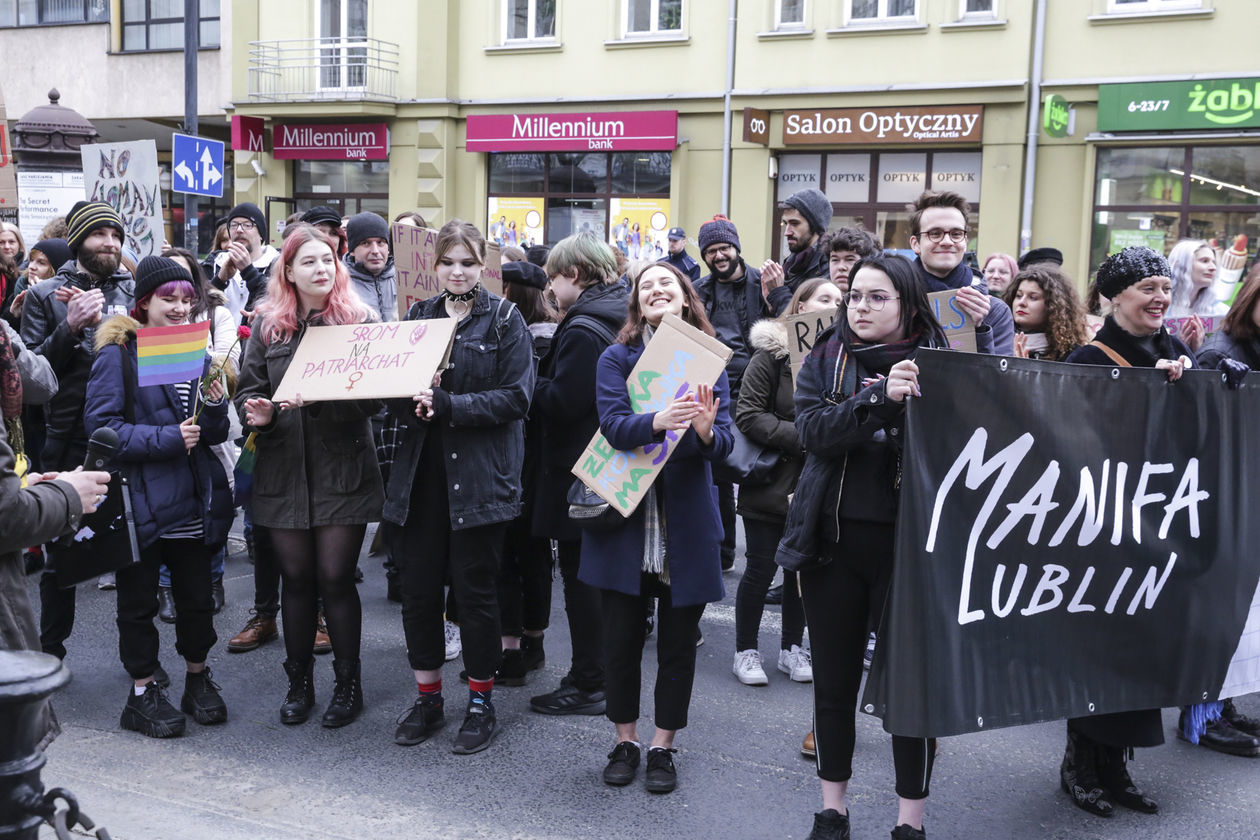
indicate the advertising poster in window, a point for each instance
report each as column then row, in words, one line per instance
column 640, row 227
column 125, row 176
column 1121, row 239
column 516, row 221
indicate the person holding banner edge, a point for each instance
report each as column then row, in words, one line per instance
column 316, row 480
column 670, row 547
column 850, row 406
column 456, row 484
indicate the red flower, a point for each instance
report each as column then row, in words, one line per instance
column 242, row 332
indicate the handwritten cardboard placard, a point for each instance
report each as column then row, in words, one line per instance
column 125, row 176
column 367, row 361
column 803, row 330
column 492, row 274
column 959, row 330
column 1177, row 326
column 415, row 269
column 677, row 359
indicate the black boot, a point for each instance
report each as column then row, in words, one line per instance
column 532, row 652
column 1079, row 776
column 301, row 697
column 166, row 605
column 1222, row 736
column 217, row 594
column 1113, row 774
column 1239, row 721
column 347, row 699
column 202, row 699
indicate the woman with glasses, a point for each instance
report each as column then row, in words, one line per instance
column 850, row 405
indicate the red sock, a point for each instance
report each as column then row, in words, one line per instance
column 480, row 689
column 430, row 690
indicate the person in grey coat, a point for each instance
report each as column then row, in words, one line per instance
column 371, row 264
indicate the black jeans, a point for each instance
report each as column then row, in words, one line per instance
column 56, row 605
column 624, row 633
column 726, row 509
column 189, row 562
column 427, row 550
column 524, row 580
column 583, row 606
column 841, row 598
column 750, row 599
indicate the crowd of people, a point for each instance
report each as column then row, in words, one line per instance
column 469, row 477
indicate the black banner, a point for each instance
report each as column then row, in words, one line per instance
column 1072, row 540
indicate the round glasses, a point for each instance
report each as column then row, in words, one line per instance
column 875, row 300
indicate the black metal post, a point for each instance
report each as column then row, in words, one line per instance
column 27, row 679
column 192, row 38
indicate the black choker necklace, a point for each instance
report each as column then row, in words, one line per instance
column 466, row 296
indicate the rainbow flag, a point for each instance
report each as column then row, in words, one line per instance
column 166, row 355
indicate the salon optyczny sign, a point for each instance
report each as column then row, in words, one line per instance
column 919, row 124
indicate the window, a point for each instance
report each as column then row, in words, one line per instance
column 41, row 12
column 159, row 24
column 971, row 9
column 343, row 48
column 789, row 14
column 352, row 186
column 529, row 20
column 653, row 17
column 882, row 11
column 1139, row 6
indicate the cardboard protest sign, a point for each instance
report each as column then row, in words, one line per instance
column 1177, row 326
column 367, row 361
column 125, row 176
column 678, row 358
column 959, row 330
column 1053, row 561
column 803, row 330
column 415, row 269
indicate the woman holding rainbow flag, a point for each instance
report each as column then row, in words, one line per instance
column 149, row 388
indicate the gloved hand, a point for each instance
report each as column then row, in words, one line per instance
column 1235, row 371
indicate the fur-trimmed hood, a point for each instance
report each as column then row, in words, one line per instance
column 216, row 297
column 120, row 329
column 770, row 334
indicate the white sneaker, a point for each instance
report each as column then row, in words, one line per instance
column 796, row 663
column 454, row 647
column 748, row 668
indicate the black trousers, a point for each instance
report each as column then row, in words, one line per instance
column 524, row 580
column 583, row 607
column 624, row 633
column 56, row 605
column 726, row 509
column 426, row 552
column 750, row 598
column 189, row 562
column 266, row 573
column 841, row 598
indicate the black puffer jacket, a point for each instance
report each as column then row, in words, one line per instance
column 765, row 412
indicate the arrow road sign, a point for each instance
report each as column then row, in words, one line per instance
column 198, row 165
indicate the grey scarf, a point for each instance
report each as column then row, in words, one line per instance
column 654, row 560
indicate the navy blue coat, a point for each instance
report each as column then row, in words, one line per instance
column 693, row 528
column 169, row 485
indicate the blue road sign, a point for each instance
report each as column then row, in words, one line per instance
column 197, row 164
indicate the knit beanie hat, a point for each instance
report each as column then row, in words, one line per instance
column 153, row 272
column 1132, row 265
column 525, row 273
column 814, row 206
column 322, row 214
column 246, row 210
column 366, row 225
column 719, row 229
column 87, row 217
column 56, row 250
column 537, row 254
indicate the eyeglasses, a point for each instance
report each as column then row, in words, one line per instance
column 714, row 250
column 875, row 300
column 243, row 224
column 936, row 235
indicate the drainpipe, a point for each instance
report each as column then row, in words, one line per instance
column 726, row 109
column 1034, row 114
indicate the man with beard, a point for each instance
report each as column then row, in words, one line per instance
column 806, row 215
column 59, row 322
column 242, row 270
column 732, row 299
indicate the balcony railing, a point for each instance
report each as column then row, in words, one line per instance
column 323, row 69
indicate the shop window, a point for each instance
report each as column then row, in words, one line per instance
column 634, row 173
column 653, row 17
column 529, row 20
column 44, row 12
column 517, row 173
column 789, row 14
column 351, row 186
column 159, row 24
column 882, row 11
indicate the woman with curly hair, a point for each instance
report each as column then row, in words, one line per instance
column 1049, row 318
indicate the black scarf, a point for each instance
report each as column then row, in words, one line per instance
column 1131, row 348
column 879, row 358
column 962, row 275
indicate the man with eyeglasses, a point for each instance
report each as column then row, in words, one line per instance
column 242, row 270
column 938, row 234
column 805, row 217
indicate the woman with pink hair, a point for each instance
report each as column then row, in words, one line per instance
column 316, row 480
column 999, row 270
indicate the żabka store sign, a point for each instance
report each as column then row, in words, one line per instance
column 337, row 141
column 628, row 131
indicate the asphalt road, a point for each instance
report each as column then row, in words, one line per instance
column 740, row 772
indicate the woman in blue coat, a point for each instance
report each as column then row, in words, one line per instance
column 670, row 547
column 180, row 498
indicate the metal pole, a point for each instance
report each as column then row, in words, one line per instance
column 192, row 36
column 726, row 109
column 1034, row 114
column 26, row 681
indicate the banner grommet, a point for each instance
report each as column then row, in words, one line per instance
column 1115, row 373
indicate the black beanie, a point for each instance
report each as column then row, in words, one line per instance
column 87, row 217
column 366, row 225
column 56, row 250
column 153, row 272
column 322, row 214
column 814, row 206
column 537, row 254
column 524, row 273
column 718, row 229
column 246, row 210
column 1132, row 265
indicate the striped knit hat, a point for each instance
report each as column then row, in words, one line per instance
column 87, row 217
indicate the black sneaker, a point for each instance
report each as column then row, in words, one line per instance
column 568, row 699
column 161, row 677
column 202, row 699
column 623, row 763
column 830, row 824
column 905, row 832
column 512, row 670
column 151, row 714
column 478, row 729
column 661, row 775
column 420, row 722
